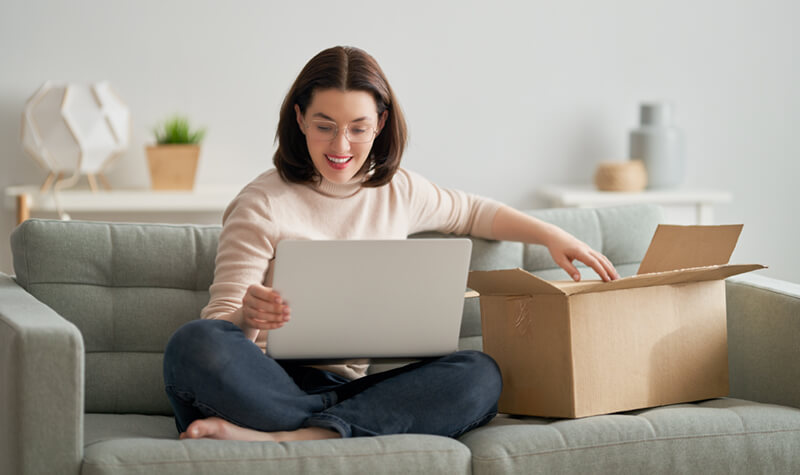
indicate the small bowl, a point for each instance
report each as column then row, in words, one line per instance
column 629, row 175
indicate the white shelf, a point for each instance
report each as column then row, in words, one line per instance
column 203, row 198
column 681, row 206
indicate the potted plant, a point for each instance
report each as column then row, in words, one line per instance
column 173, row 160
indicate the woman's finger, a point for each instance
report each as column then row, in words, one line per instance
column 595, row 264
column 612, row 271
column 607, row 265
column 565, row 263
column 259, row 306
column 264, row 293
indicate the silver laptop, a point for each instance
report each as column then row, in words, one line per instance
column 381, row 298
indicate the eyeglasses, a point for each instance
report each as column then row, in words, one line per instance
column 323, row 130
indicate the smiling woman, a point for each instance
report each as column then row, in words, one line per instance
column 340, row 139
column 340, row 153
column 364, row 97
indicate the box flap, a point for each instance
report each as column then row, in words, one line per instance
column 681, row 247
column 509, row 282
column 681, row 276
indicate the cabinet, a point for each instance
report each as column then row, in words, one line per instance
column 28, row 199
column 681, row 206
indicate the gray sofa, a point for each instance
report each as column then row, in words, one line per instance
column 84, row 323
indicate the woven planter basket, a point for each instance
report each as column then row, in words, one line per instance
column 173, row 167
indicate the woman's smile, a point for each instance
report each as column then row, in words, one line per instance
column 339, row 162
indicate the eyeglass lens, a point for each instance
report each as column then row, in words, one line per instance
column 355, row 133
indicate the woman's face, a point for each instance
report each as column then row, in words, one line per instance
column 330, row 113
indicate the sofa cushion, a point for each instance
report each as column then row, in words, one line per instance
column 127, row 287
column 138, row 444
column 714, row 436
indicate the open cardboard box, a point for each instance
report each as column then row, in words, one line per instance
column 575, row 349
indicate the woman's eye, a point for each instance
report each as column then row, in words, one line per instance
column 324, row 128
column 358, row 131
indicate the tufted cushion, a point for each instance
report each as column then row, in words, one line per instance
column 127, row 287
column 719, row 436
column 138, row 444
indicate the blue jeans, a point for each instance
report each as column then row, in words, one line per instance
column 212, row 369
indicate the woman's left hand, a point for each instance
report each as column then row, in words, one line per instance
column 564, row 248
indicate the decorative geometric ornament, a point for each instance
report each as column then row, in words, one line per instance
column 75, row 129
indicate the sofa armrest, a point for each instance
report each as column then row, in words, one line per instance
column 41, row 386
column 764, row 339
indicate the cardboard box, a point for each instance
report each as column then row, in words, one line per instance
column 575, row 349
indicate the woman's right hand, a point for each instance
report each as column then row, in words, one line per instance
column 263, row 308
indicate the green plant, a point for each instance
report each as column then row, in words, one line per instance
column 176, row 130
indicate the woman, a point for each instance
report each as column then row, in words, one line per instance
column 340, row 139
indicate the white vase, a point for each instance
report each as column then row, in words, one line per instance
column 660, row 145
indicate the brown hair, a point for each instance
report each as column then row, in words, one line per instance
column 345, row 69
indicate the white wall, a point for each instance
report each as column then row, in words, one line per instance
column 501, row 97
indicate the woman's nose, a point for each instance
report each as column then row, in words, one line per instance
column 340, row 142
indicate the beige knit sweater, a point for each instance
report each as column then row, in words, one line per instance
column 268, row 210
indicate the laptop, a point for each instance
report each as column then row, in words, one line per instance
column 370, row 298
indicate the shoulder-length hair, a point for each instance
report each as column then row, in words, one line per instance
column 344, row 69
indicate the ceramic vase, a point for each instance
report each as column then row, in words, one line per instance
column 660, row 145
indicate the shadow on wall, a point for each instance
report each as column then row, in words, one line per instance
column 581, row 139
column 587, row 141
column 17, row 166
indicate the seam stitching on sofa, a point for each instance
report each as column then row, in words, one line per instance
column 561, row 436
column 652, row 427
column 91, row 352
column 120, row 224
column 113, row 279
column 89, row 284
column 631, row 442
column 195, row 254
column 25, row 255
column 741, row 419
column 270, row 459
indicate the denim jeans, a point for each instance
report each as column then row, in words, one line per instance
column 212, row 369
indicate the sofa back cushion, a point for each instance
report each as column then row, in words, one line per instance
column 128, row 287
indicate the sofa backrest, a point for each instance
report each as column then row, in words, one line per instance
column 128, row 287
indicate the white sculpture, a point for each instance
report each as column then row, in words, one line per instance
column 75, row 129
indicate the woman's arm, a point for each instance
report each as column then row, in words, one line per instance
column 244, row 253
column 512, row 225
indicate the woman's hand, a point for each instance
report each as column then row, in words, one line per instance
column 263, row 308
column 512, row 225
column 565, row 248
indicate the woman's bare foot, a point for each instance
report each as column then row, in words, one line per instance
column 220, row 429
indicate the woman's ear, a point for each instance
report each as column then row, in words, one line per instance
column 382, row 120
column 300, row 122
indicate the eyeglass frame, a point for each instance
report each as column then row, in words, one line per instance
column 338, row 129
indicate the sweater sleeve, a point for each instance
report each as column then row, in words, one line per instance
column 244, row 254
column 449, row 211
